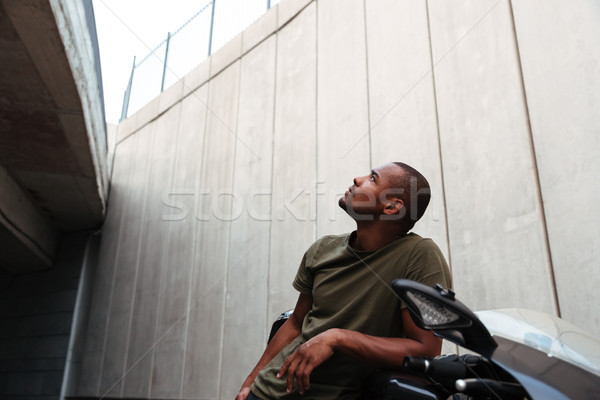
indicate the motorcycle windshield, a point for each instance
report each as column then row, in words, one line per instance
column 546, row 333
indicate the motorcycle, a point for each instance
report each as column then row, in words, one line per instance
column 513, row 354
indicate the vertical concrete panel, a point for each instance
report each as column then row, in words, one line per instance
column 558, row 44
column 245, row 333
column 294, row 155
column 178, row 211
column 343, row 129
column 495, row 228
column 99, row 312
column 163, row 384
column 401, row 100
column 126, row 267
column 205, row 330
column 142, row 338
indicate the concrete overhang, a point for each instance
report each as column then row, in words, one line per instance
column 53, row 175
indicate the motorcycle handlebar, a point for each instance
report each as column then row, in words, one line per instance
column 451, row 368
column 435, row 367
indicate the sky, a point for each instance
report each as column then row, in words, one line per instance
column 128, row 28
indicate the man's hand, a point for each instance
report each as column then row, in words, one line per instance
column 306, row 358
column 243, row 394
column 381, row 352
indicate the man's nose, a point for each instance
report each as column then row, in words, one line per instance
column 358, row 180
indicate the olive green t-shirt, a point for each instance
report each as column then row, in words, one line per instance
column 352, row 290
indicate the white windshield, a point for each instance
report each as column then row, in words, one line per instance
column 546, row 333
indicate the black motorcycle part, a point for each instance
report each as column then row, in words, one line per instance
column 490, row 388
column 278, row 322
column 389, row 385
column 443, row 367
column 436, row 309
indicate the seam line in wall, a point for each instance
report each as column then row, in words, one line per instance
column 228, row 248
column 163, row 265
column 439, row 136
column 368, row 86
column 199, row 183
column 273, row 125
column 315, row 202
column 535, row 164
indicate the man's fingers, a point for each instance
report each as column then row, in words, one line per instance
column 286, row 365
column 301, row 377
column 308, row 369
column 291, row 372
column 298, row 375
column 300, row 364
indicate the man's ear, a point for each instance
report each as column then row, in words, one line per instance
column 394, row 206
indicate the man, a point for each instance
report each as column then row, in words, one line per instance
column 347, row 321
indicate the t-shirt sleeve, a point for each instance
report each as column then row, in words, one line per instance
column 303, row 282
column 428, row 266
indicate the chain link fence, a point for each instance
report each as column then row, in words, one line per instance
column 216, row 23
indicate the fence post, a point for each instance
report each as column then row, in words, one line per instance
column 127, row 94
column 162, row 83
column 212, row 22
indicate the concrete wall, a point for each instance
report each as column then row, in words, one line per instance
column 221, row 183
column 37, row 346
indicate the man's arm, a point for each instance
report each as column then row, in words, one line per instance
column 377, row 351
column 288, row 332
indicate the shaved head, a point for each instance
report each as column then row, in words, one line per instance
column 415, row 192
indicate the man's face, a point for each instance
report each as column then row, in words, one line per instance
column 369, row 196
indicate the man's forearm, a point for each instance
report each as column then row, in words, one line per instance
column 382, row 352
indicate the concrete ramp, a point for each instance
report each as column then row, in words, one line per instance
column 53, row 175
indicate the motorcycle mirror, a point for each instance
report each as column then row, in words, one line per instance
column 437, row 310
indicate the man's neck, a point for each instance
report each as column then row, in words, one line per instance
column 373, row 235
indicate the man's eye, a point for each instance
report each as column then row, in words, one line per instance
column 372, row 177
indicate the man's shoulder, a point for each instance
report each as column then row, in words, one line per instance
column 413, row 245
column 329, row 244
column 408, row 241
column 421, row 241
column 329, row 241
column 424, row 243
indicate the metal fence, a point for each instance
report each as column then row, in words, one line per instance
column 217, row 22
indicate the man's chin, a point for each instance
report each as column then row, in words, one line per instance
column 342, row 204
